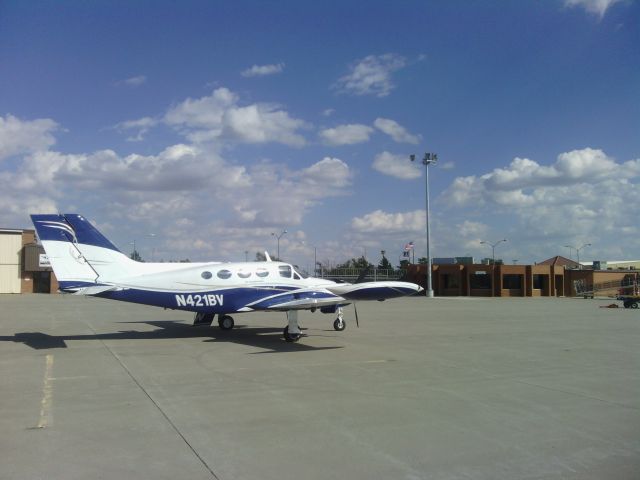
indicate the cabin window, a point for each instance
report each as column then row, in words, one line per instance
column 224, row 274
column 285, row 271
column 206, row 275
column 242, row 274
column 262, row 272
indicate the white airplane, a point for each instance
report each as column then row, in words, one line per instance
column 87, row 263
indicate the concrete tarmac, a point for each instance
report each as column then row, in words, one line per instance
column 444, row 388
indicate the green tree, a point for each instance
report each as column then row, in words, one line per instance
column 136, row 256
column 385, row 264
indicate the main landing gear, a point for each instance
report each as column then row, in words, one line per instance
column 292, row 331
column 339, row 323
column 224, row 321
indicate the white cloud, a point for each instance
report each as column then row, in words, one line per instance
column 595, row 7
column 262, row 70
column 383, row 222
column 18, row 137
column 396, row 131
column 396, row 165
column 371, row 75
column 328, row 171
column 346, row 134
column 133, row 81
column 142, row 125
column 219, row 117
column 583, row 194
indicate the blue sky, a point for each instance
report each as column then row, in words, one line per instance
column 213, row 124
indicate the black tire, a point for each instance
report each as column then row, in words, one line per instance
column 626, row 304
column 225, row 322
column 339, row 326
column 290, row 337
column 634, row 305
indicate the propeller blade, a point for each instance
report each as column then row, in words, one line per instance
column 356, row 310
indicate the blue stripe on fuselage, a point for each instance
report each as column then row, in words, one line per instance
column 212, row 301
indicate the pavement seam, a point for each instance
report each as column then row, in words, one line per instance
column 162, row 412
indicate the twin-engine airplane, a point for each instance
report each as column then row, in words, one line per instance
column 87, row 263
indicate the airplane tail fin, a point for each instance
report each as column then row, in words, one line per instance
column 79, row 254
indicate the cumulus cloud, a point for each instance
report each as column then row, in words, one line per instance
column 219, row 117
column 262, row 70
column 18, row 137
column 595, row 7
column 396, row 131
column 508, row 185
column 380, row 221
column 396, row 165
column 371, row 75
column 583, row 194
column 346, row 134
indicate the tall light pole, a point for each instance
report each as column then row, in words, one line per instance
column 315, row 256
column 153, row 246
column 279, row 237
column 493, row 248
column 578, row 253
column 493, row 263
column 429, row 159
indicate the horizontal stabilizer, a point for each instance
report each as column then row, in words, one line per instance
column 95, row 290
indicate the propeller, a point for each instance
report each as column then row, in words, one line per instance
column 356, row 311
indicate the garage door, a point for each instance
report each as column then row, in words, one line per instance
column 10, row 248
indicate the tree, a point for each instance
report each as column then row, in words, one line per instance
column 385, row 264
column 423, row 260
column 136, row 256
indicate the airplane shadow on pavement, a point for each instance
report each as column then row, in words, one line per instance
column 269, row 339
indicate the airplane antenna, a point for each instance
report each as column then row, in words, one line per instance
column 267, row 257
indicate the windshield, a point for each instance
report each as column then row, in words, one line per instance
column 300, row 272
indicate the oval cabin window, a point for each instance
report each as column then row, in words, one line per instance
column 262, row 272
column 206, row 275
column 224, row 274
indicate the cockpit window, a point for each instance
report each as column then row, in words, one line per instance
column 299, row 272
column 296, row 276
column 285, row 271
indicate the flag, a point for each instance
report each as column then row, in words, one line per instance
column 408, row 247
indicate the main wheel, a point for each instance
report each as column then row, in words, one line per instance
column 290, row 337
column 226, row 322
column 634, row 305
column 339, row 324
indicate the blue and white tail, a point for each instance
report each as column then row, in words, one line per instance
column 79, row 254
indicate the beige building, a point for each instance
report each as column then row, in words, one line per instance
column 24, row 267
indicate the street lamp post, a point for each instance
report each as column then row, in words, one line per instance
column 429, row 159
column 493, row 262
column 493, row 248
column 578, row 253
column 279, row 237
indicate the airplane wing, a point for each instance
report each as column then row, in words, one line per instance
column 374, row 290
column 300, row 299
column 338, row 294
